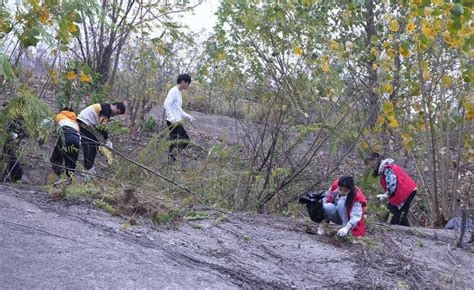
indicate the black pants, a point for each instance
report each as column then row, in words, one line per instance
column 66, row 152
column 89, row 144
column 398, row 216
column 13, row 171
column 178, row 136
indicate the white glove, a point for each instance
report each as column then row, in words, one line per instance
column 190, row 118
column 15, row 135
column 109, row 144
column 381, row 197
column 342, row 232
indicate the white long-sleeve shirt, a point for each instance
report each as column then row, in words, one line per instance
column 173, row 106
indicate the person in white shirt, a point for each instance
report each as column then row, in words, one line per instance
column 175, row 114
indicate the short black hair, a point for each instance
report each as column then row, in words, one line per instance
column 373, row 156
column 120, row 106
column 184, row 77
column 69, row 109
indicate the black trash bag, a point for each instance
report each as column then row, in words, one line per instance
column 314, row 205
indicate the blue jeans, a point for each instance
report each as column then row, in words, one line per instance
column 336, row 212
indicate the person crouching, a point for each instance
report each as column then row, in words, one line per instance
column 345, row 205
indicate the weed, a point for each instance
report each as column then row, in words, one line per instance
column 106, row 206
column 221, row 219
column 197, row 226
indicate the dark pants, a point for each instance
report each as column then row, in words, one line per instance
column 398, row 216
column 89, row 144
column 178, row 136
column 13, row 171
column 66, row 151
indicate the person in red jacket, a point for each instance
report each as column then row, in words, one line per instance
column 399, row 188
column 345, row 205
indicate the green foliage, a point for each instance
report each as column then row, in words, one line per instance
column 149, row 125
column 76, row 190
column 166, row 217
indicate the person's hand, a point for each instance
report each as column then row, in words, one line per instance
column 109, row 144
column 382, row 197
column 15, row 136
column 342, row 232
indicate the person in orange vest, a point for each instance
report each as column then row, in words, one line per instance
column 399, row 188
column 66, row 150
column 345, row 205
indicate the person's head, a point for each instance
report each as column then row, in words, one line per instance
column 67, row 109
column 374, row 160
column 346, row 187
column 183, row 81
column 117, row 108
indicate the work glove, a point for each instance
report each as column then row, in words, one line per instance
column 109, row 144
column 342, row 232
column 382, row 197
column 107, row 153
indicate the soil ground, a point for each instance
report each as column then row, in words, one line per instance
column 71, row 244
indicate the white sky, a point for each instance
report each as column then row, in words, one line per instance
column 203, row 17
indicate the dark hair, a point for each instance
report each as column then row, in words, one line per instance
column 348, row 182
column 69, row 109
column 184, row 77
column 379, row 158
column 120, row 106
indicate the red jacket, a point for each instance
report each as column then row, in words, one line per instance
column 405, row 185
column 359, row 229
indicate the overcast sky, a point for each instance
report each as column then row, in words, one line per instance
column 203, row 17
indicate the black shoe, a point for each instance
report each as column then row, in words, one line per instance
column 171, row 158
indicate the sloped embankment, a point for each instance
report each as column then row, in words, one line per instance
column 71, row 244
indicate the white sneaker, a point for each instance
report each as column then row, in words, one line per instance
column 321, row 230
column 92, row 171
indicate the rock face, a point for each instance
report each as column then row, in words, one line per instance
column 70, row 244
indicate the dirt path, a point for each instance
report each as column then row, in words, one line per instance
column 71, row 244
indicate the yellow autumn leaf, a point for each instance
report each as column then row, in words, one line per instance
column 391, row 52
column 298, row 51
column 71, row 75
column 44, row 15
column 375, row 66
column 406, row 136
column 393, row 123
column 380, row 120
column 387, row 107
column 325, row 67
column 437, row 2
column 388, row 88
column 386, row 44
column 334, row 45
column 427, row 11
column 450, row 40
column 375, row 52
column 428, row 31
column 426, row 74
column 447, row 81
column 437, row 25
column 405, row 52
column 411, row 27
column 85, row 78
column 72, row 27
column 416, row 2
column 364, row 145
column 393, row 25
